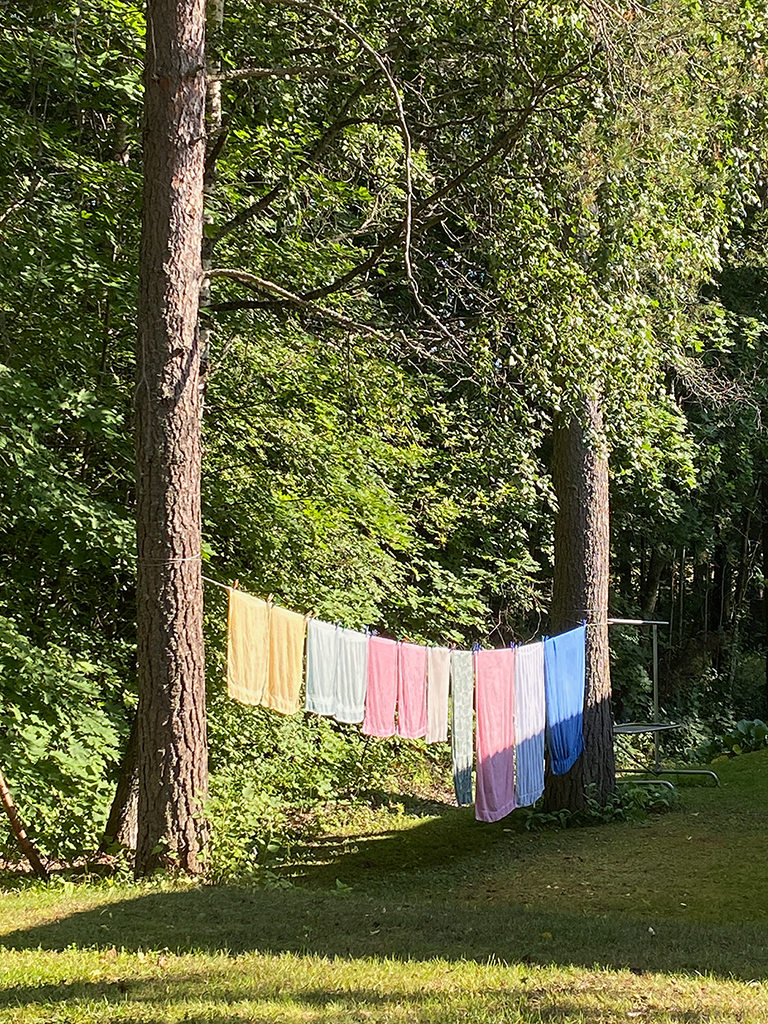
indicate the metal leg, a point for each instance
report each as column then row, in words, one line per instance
column 650, row 782
column 656, row 753
column 690, row 771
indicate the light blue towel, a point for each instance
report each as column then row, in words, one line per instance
column 564, row 673
column 530, row 718
column 322, row 660
column 462, row 725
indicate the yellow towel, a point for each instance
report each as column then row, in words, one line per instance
column 286, row 661
column 247, row 647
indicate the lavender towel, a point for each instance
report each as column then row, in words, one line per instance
column 530, row 719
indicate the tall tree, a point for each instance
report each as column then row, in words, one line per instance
column 173, row 760
column 580, row 592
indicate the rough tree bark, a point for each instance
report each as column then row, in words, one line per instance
column 580, row 591
column 173, row 766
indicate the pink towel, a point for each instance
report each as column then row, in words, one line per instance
column 381, row 694
column 494, row 699
column 412, row 691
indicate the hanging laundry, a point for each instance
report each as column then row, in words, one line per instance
column 462, row 731
column 381, row 694
column 247, row 647
column 286, row 661
column 351, row 676
column 530, row 720
column 412, row 691
column 438, row 673
column 322, row 661
column 494, row 672
column 564, row 674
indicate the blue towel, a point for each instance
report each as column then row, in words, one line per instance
column 564, row 674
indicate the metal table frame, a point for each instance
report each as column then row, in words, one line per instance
column 656, row 726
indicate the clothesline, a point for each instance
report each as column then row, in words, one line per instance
column 475, row 647
column 395, row 688
column 224, row 586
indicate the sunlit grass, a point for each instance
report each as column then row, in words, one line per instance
column 432, row 919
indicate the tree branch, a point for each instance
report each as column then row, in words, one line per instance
column 245, row 215
column 395, row 234
column 266, row 200
column 236, row 74
column 296, row 300
column 305, row 5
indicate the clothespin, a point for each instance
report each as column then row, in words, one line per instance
column 476, row 646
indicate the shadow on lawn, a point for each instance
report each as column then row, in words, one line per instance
column 313, row 1003
column 442, row 841
column 352, row 924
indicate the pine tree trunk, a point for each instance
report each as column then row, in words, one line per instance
column 173, row 761
column 580, row 591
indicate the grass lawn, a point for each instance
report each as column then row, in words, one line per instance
column 430, row 918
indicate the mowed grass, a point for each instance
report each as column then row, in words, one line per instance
column 434, row 918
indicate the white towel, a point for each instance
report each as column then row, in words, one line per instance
column 438, row 669
column 351, row 676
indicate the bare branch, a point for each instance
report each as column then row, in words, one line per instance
column 266, row 200
column 406, row 135
column 394, row 236
column 236, row 74
column 33, row 186
column 250, row 211
column 296, row 300
column 340, row 123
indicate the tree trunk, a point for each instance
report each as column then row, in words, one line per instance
column 122, row 824
column 721, row 588
column 26, row 845
column 651, row 581
column 580, row 591
column 764, row 513
column 173, row 759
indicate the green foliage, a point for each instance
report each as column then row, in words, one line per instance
column 586, row 218
column 59, row 743
column 629, row 803
column 744, row 738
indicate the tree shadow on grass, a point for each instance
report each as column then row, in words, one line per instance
column 214, row 997
column 447, row 838
column 395, row 900
column 353, row 924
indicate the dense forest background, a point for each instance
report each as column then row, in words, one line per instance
column 433, row 230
